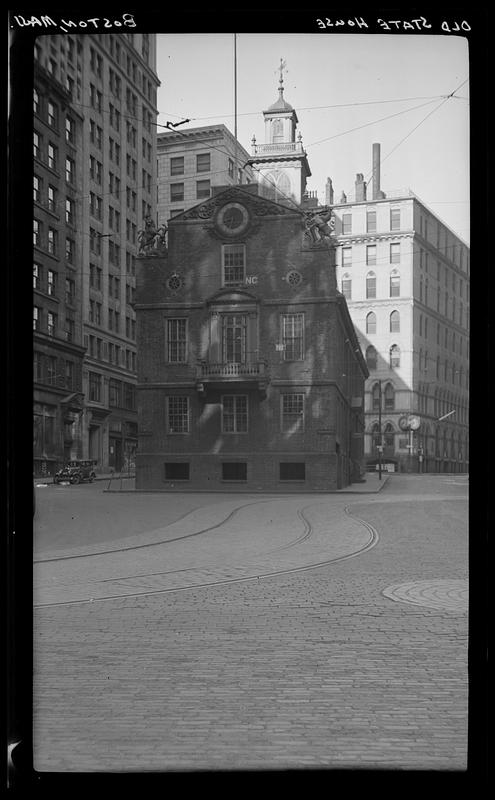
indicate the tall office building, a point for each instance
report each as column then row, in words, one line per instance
column 191, row 161
column 95, row 162
column 406, row 276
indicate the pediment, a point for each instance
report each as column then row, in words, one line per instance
column 230, row 296
column 257, row 206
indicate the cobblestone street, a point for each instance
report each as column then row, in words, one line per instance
column 336, row 666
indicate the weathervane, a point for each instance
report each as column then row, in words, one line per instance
column 282, row 68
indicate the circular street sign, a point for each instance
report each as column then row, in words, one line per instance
column 414, row 423
column 403, row 424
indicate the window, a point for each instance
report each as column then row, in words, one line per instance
column 52, row 115
column 69, row 130
column 371, row 357
column 371, row 255
column 69, row 212
column 389, row 395
column 371, row 322
column 52, row 199
column 36, row 145
column 202, row 189
column 395, row 322
column 176, row 192
column 371, row 221
column 203, row 162
column 177, row 341
column 292, row 335
column 346, row 223
column 234, row 264
column 395, row 219
column 292, row 413
column 394, row 356
column 52, row 156
column 292, row 471
column 376, row 397
column 234, row 338
column 114, row 393
column 234, row 471
column 371, row 285
column 389, row 436
column 69, row 170
column 231, row 168
column 51, row 370
column 51, row 282
column 395, row 253
column 178, row 414
column 347, row 287
column 36, row 102
column 234, row 413
column 70, row 329
column 36, row 276
column 346, row 256
column 95, row 387
column 36, row 232
column 51, row 325
column 37, row 183
column 394, row 284
column 177, row 471
column 70, row 291
column 52, row 241
column 36, row 318
column 69, row 375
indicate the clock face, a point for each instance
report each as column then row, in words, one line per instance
column 232, row 219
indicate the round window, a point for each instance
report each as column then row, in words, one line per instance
column 175, row 283
column 294, row 278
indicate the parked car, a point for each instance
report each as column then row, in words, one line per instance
column 76, row 472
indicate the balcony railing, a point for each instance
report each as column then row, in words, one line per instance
column 281, row 147
column 215, row 370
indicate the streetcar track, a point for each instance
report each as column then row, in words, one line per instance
column 373, row 540
column 154, row 544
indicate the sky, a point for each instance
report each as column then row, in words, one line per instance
column 349, row 91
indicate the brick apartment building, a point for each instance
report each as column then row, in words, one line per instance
column 250, row 374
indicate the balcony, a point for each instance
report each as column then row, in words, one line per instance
column 277, row 148
column 234, row 375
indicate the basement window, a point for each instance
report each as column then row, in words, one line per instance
column 234, row 471
column 292, row 471
column 177, row 471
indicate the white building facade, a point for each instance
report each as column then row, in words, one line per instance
column 405, row 276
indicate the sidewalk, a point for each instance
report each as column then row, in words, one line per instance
column 371, row 485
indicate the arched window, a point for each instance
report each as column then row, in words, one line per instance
column 371, row 285
column 389, row 394
column 394, row 284
column 394, row 356
column 376, row 437
column 395, row 322
column 389, row 436
column 375, row 397
column 371, row 356
column 276, row 186
column 347, row 286
column 277, row 130
column 371, row 322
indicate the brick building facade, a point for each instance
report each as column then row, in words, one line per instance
column 249, row 370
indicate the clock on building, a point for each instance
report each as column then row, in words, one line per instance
column 232, row 219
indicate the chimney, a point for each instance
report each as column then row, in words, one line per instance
column 329, row 193
column 377, row 193
column 360, row 187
